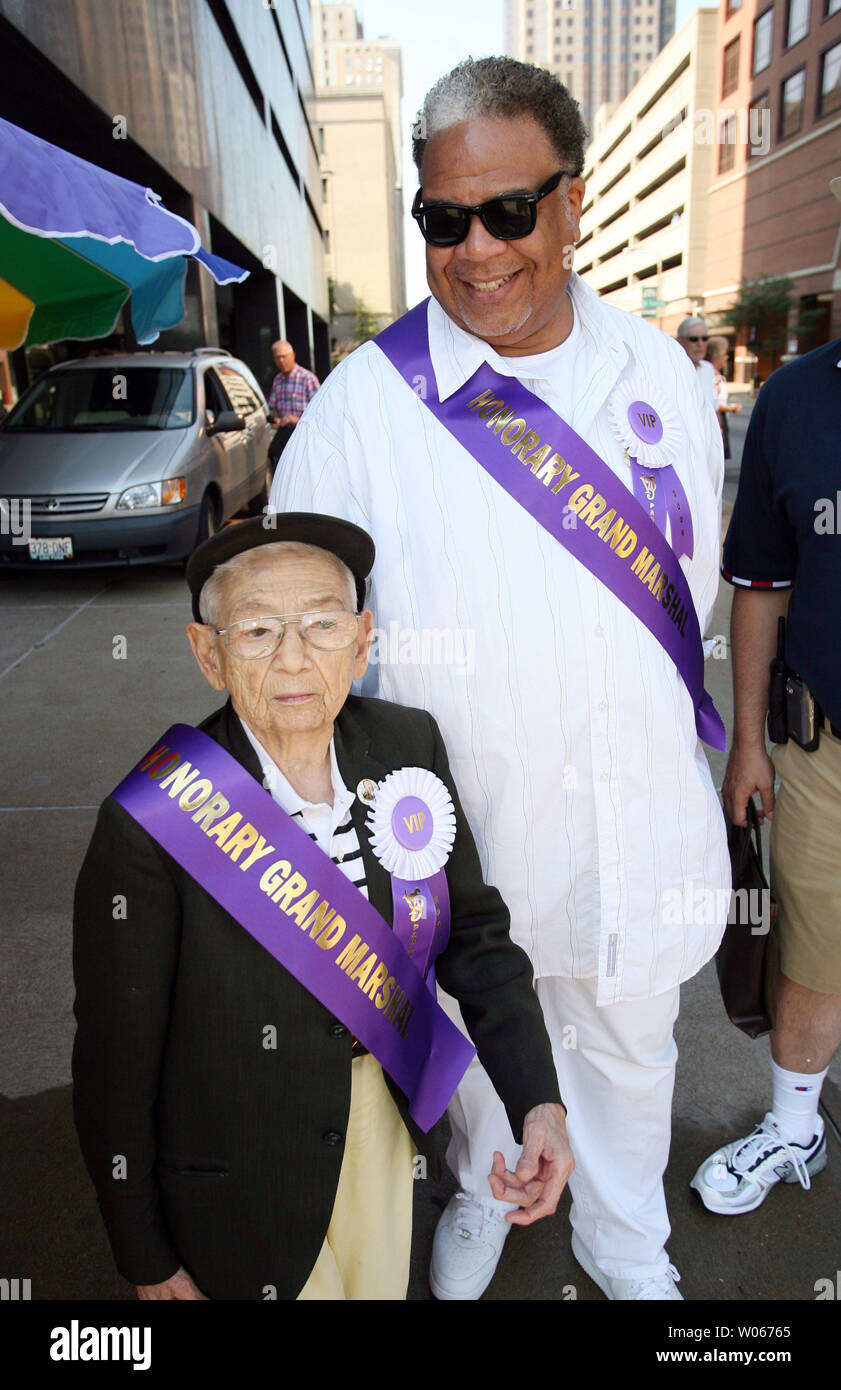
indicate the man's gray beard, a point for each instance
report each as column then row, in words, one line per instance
column 514, row 328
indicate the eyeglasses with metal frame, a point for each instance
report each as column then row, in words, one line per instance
column 252, row 638
column 508, row 216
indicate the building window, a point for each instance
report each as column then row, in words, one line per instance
column 727, row 136
column 797, row 25
column 830, row 89
column 324, row 190
column 831, row 7
column 759, row 125
column 321, row 139
column 731, row 68
column 732, row 6
column 793, row 95
column 763, row 33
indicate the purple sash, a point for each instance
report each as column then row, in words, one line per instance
column 205, row 810
column 550, row 470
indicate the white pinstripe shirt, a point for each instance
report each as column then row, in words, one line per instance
column 572, row 740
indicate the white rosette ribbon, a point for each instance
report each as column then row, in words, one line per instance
column 408, row 794
column 649, row 452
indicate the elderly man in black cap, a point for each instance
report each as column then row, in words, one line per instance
column 252, row 1108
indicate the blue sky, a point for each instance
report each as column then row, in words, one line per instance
column 434, row 35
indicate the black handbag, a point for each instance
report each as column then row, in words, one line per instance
column 747, row 957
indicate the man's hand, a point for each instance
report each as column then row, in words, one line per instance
column 179, row 1286
column 749, row 770
column 288, row 420
column 542, row 1172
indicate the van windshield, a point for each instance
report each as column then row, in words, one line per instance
column 102, row 398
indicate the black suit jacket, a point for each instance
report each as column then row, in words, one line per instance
column 207, row 1147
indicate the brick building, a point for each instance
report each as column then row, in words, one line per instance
column 778, row 90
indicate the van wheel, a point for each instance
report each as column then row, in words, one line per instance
column 208, row 519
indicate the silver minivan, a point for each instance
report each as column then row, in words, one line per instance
column 130, row 459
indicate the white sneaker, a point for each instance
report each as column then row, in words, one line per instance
column 739, row 1176
column 468, row 1243
column 651, row 1288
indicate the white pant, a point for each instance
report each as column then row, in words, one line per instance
column 616, row 1068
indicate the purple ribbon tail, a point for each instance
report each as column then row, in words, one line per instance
column 441, row 1073
column 710, row 724
column 680, row 517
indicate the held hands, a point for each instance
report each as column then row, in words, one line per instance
column 179, row 1286
column 542, row 1172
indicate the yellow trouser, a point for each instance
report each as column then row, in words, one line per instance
column 366, row 1251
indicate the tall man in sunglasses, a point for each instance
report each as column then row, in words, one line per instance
column 520, row 450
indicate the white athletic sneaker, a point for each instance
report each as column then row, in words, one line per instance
column 651, row 1288
column 739, row 1176
column 467, row 1246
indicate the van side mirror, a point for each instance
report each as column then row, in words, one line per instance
column 226, row 422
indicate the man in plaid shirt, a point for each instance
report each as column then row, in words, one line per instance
column 292, row 388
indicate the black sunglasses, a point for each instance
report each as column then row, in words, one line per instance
column 509, row 216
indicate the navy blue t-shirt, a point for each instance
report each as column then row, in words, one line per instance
column 786, row 523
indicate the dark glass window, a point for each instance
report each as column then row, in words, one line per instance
column 830, row 81
column 83, row 399
column 730, row 78
column 793, row 94
column 759, row 125
column 797, row 22
column 727, row 136
column 763, row 33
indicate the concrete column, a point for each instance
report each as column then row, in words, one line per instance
column 206, row 284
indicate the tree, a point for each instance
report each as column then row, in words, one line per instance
column 365, row 324
column 762, row 308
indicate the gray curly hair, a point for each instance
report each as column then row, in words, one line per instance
column 503, row 88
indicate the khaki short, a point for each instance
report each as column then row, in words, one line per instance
column 806, row 863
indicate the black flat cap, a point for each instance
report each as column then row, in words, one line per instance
column 350, row 543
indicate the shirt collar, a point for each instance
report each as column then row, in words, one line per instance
column 456, row 354
column 285, row 794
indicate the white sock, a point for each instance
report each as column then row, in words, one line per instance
column 795, row 1103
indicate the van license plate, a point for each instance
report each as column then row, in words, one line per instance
column 51, row 548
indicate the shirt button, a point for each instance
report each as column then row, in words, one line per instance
column 604, row 777
column 338, row 1030
column 603, row 706
column 333, row 1137
column 599, row 630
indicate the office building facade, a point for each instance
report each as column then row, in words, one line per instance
column 204, row 101
column 598, row 48
column 778, row 82
column 356, row 115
